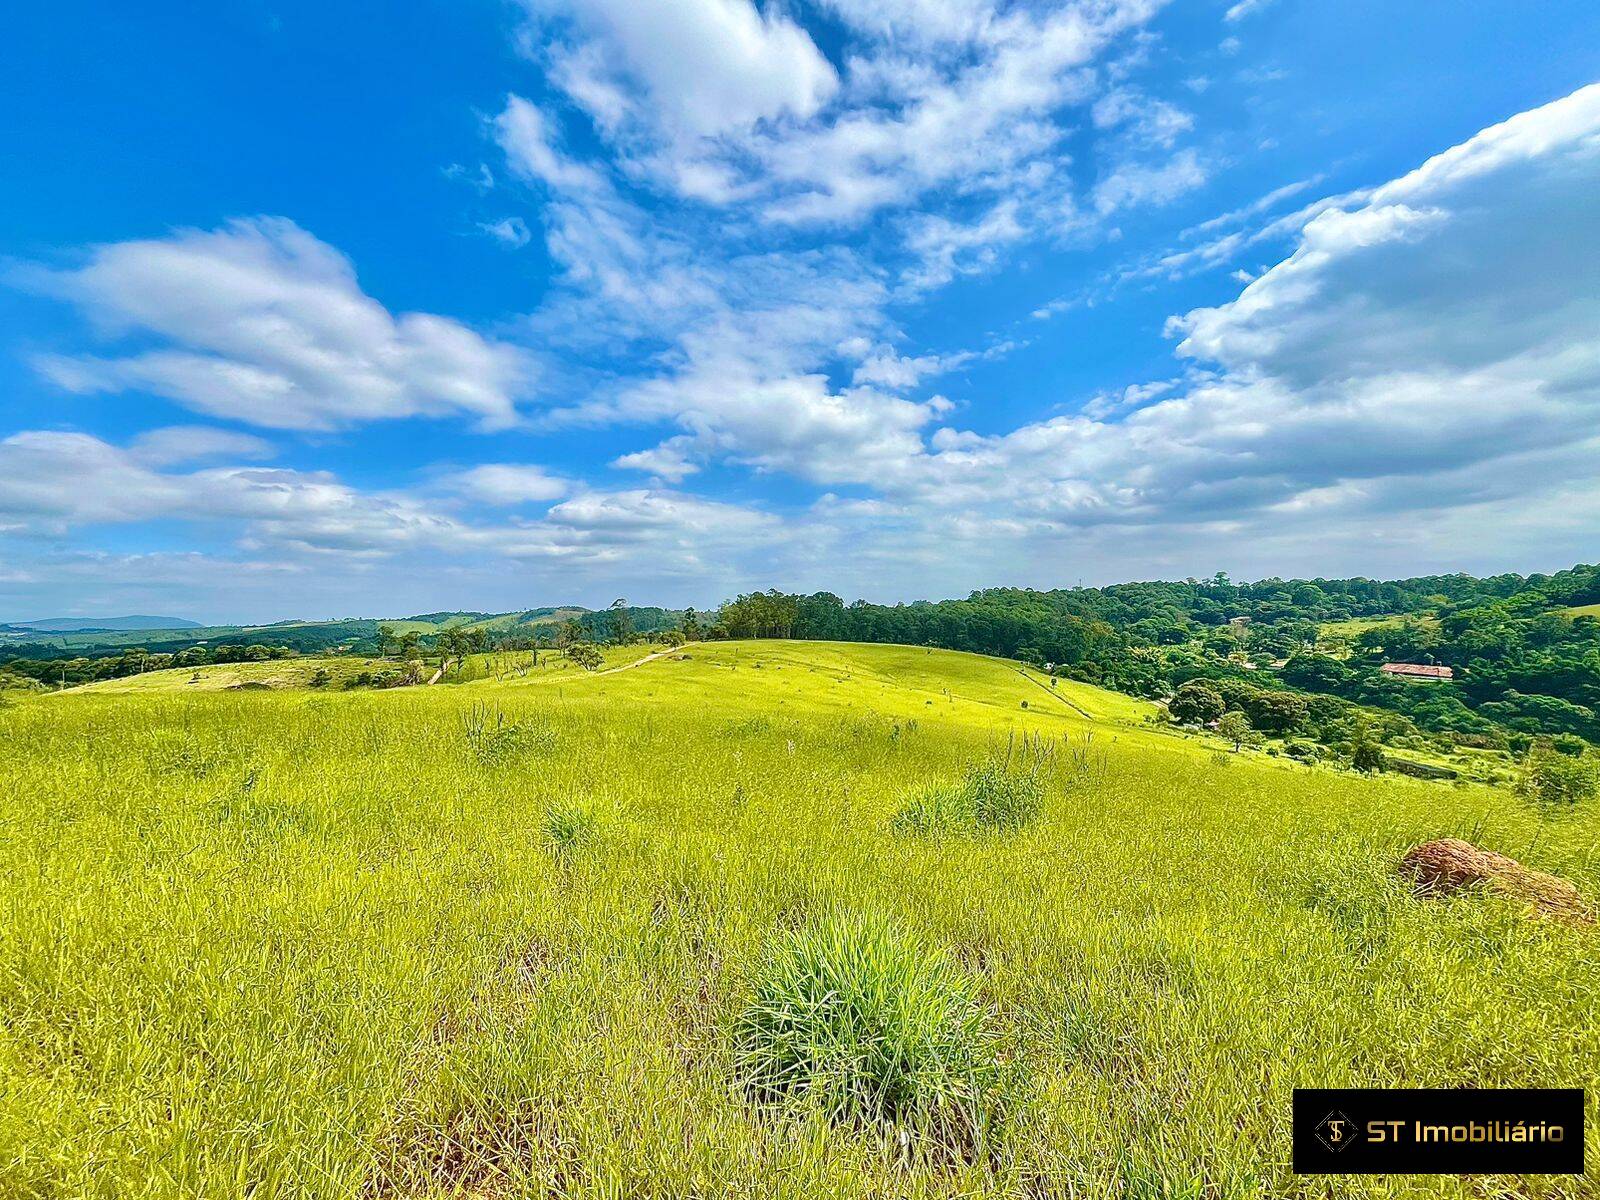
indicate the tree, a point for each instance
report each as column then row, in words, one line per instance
column 570, row 634
column 1196, row 703
column 452, row 644
column 386, row 640
column 321, row 677
column 691, row 625
column 1236, row 728
column 1368, row 757
column 621, row 622
column 585, row 655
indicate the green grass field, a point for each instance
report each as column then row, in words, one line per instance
column 539, row 936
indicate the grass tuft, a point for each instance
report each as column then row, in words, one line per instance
column 569, row 827
column 855, row 1021
column 992, row 798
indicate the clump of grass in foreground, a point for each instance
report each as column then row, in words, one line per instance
column 492, row 739
column 569, row 826
column 854, row 1021
column 992, row 797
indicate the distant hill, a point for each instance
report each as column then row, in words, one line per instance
column 97, row 624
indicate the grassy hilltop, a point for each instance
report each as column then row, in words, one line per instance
column 561, row 934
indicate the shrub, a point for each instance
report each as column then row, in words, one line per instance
column 1554, row 778
column 1569, row 743
column 1368, row 757
column 992, row 797
column 585, row 655
column 869, row 1028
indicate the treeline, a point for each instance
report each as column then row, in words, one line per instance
column 1522, row 665
column 134, row 661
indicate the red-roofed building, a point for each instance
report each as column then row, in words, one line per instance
column 1417, row 671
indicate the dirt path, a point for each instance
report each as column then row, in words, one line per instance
column 1081, row 712
column 651, row 657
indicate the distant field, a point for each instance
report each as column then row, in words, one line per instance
column 1584, row 610
column 504, row 938
column 296, row 673
column 1360, row 625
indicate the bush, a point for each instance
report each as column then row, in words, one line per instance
column 1554, row 778
column 990, row 798
column 1368, row 757
column 854, row 1021
column 1569, row 743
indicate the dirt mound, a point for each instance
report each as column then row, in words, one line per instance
column 1444, row 867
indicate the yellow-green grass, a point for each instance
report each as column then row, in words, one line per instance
column 1583, row 610
column 1359, row 625
column 510, row 666
column 273, row 673
column 282, row 943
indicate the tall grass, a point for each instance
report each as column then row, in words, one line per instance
column 279, row 944
column 854, row 1021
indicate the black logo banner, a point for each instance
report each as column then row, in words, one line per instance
column 1438, row 1131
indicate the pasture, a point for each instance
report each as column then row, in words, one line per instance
column 559, row 934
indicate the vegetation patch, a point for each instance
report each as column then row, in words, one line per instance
column 1551, row 777
column 569, row 826
column 472, row 1153
column 180, row 752
column 853, row 1020
column 996, row 797
column 491, row 738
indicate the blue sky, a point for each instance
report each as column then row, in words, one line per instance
column 495, row 305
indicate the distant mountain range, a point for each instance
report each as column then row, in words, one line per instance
column 97, row 624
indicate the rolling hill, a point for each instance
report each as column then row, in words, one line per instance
column 520, row 936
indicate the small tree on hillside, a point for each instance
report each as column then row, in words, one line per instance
column 1553, row 778
column 452, row 644
column 585, row 655
column 1236, row 728
column 570, row 634
column 1367, row 757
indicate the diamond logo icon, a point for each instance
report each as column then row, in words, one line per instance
column 1336, row 1131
